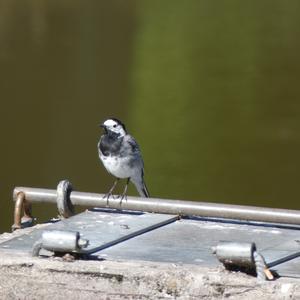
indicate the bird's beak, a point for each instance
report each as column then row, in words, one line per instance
column 104, row 127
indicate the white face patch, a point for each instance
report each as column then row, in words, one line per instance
column 114, row 126
column 110, row 123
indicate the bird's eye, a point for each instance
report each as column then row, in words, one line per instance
column 115, row 126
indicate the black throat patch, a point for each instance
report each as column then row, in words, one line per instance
column 110, row 144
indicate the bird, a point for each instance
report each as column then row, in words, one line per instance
column 121, row 156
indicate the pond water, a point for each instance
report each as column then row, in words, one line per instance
column 210, row 89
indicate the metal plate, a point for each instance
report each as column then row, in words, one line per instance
column 103, row 228
column 157, row 237
column 189, row 241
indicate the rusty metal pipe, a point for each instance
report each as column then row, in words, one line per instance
column 20, row 197
column 27, row 209
column 177, row 207
column 21, row 205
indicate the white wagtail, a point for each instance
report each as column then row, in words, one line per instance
column 121, row 157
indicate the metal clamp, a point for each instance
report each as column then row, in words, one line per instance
column 64, row 205
column 60, row 241
column 27, row 219
column 242, row 255
column 234, row 254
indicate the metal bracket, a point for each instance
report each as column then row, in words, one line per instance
column 60, row 241
column 242, row 255
column 245, row 254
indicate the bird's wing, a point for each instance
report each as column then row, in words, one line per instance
column 132, row 142
column 135, row 151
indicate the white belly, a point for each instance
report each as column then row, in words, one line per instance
column 117, row 166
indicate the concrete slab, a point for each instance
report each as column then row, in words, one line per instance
column 23, row 277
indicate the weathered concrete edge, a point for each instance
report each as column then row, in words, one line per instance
column 133, row 279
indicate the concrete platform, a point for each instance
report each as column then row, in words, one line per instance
column 146, row 256
column 34, row 278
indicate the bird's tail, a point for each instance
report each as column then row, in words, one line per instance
column 145, row 191
column 141, row 188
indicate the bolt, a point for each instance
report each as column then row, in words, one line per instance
column 82, row 243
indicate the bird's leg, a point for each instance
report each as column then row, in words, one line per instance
column 110, row 191
column 124, row 194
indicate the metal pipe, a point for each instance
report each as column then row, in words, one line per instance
column 36, row 194
column 176, row 207
column 27, row 210
column 21, row 204
column 20, row 197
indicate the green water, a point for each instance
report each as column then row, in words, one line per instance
column 210, row 89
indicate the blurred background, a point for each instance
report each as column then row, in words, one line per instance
column 210, row 89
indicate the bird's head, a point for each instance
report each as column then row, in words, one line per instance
column 114, row 126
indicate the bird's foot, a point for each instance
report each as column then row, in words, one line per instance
column 123, row 196
column 107, row 196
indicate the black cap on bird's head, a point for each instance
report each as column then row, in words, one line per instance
column 114, row 125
